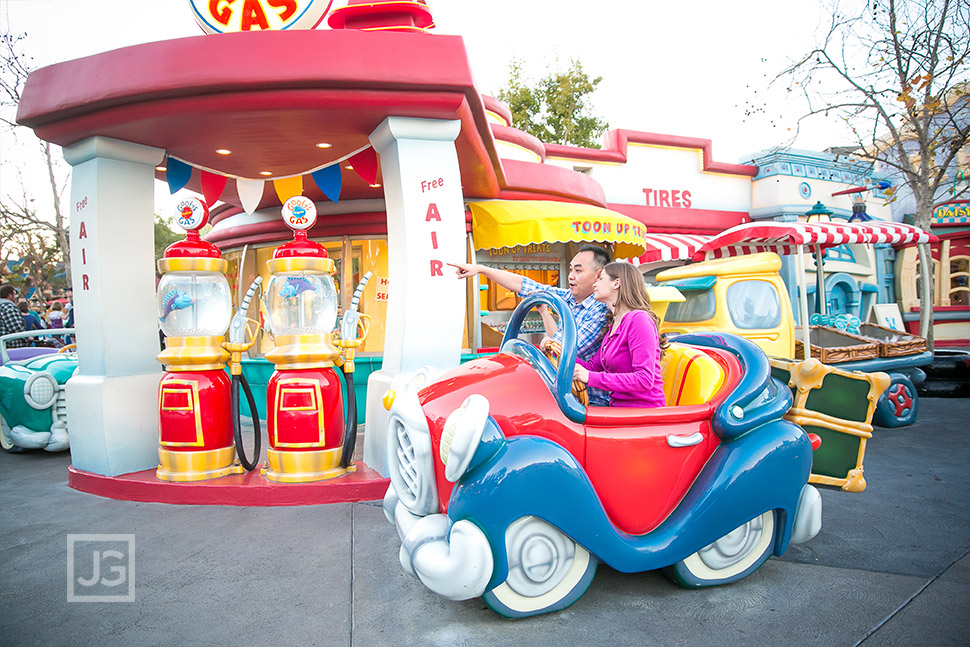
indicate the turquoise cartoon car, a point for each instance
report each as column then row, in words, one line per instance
column 33, row 406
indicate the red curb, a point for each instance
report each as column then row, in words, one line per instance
column 250, row 489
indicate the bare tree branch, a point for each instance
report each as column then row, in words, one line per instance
column 40, row 239
column 896, row 71
column 900, row 73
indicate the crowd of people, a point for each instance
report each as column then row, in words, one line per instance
column 619, row 345
column 19, row 315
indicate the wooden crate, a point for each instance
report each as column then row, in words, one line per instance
column 831, row 346
column 893, row 343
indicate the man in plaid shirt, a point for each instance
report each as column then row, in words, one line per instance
column 11, row 319
column 589, row 314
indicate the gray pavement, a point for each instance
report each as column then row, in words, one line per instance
column 891, row 566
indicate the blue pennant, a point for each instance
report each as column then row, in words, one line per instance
column 177, row 174
column 328, row 179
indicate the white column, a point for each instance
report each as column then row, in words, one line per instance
column 112, row 400
column 425, row 229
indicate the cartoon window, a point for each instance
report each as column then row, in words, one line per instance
column 959, row 280
column 839, row 253
column 754, row 305
column 700, row 305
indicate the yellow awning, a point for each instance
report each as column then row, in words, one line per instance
column 507, row 223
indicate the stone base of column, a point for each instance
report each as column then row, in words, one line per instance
column 113, row 422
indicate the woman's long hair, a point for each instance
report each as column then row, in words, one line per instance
column 632, row 295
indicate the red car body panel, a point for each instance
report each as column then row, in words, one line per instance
column 639, row 477
column 521, row 404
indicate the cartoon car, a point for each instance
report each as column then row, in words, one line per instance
column 504, row 486
column 33, row 405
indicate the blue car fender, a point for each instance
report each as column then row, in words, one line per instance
column 527, row 475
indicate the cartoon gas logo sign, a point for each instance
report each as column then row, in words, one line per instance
column 191, row 214
column 220, row 16
column 299, row 212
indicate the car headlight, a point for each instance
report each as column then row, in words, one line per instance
column 462, row 435
column 40, row 391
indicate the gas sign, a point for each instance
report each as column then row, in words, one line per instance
column 191, row 214
column 299, row 212
column 220, row 16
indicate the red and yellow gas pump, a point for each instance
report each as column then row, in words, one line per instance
column 194, row 307
column 305, row 405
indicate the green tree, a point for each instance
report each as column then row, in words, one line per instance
column 557, row 108
column 164, row 236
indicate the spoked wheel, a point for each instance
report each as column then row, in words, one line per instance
column 548, row 571
column 729, row 559
column 899, row 405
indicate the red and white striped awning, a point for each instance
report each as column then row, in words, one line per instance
column 786, row 237
column 671, row 247
column 898, row 234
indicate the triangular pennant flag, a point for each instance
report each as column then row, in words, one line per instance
column 287, row 187
column 250, row 193
column 213, row 185
column 328, row 179
column 177, row 174
column 365, row 164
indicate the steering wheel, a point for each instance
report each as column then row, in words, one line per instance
column 561, row 376
column 66, row 349
column 553, row 350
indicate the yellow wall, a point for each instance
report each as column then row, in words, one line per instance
column 365, row 254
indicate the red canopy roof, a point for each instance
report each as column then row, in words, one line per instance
column 671, row 247
column 785, row 237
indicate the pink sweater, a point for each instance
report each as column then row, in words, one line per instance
column 627, row 364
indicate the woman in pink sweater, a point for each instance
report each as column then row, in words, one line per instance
column 627, row 363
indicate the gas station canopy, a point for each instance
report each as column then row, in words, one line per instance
column 267, row 104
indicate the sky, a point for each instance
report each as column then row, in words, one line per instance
column 689, row 68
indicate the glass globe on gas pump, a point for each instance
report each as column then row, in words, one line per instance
column 194, row 308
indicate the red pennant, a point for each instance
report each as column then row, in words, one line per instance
column 365, row 165
column 212, row 186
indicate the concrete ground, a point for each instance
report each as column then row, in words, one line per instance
column 889, row 567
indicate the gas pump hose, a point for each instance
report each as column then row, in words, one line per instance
column 350, row 429
column 249, row 465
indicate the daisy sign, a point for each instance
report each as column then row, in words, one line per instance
column 220, row 16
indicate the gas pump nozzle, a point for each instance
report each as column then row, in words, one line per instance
column 348, row 326
column 237, row 327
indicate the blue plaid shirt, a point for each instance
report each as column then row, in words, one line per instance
column 590, row 317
